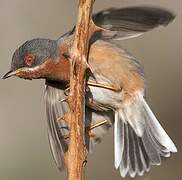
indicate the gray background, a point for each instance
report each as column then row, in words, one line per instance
column 24, row 150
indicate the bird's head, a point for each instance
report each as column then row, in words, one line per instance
column 30, row 59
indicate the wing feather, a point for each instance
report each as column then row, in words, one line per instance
column 57, row 129
column 130, row 22
column 58, row 132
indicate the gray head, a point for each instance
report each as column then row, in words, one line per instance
column 30, row 55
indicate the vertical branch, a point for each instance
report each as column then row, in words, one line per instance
column 76, row 155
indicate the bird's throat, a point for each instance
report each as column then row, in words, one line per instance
column 59, row 71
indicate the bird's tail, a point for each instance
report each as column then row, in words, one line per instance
column 140, row 140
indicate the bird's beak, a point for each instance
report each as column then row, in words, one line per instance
column 9, row 74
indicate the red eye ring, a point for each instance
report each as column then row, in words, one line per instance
column 29, row 59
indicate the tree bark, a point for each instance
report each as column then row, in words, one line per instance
column 76, row 155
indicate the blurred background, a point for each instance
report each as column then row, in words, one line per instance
column 24, row 149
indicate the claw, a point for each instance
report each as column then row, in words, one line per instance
column 65, row 137
column 66, row 91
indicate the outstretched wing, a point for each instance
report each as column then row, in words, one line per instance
column 129, row 22
column 97, row 123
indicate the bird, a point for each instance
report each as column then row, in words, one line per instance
column 115, row 89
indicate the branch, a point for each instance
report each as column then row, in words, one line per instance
column 76, row 155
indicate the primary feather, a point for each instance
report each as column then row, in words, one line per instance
column 58, row 132
column 129, row 22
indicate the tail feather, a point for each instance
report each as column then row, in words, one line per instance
column 151, row 149
column 118, row 140
column 132, row 155
column 124, row 165
column 157, row 130
column 144, row 157
column 162, row 149
column 140, row 140
column 138, row 158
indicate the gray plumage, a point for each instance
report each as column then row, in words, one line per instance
column 41, row 48
column 129, row 22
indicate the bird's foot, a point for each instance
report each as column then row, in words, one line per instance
column 61, row 119
column 65, row 137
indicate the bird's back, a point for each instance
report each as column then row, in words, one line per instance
column 112, row 64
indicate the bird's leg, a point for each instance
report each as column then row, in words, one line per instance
column 93, row 126
column 66, row 92
column 97, row 84
column 88, row 128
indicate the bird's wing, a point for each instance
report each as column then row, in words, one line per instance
column 129, row 22
column 57, row 128
column 97, row 123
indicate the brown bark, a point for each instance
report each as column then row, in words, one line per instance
column 76, row 155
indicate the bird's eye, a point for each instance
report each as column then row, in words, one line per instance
column 29, row 59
